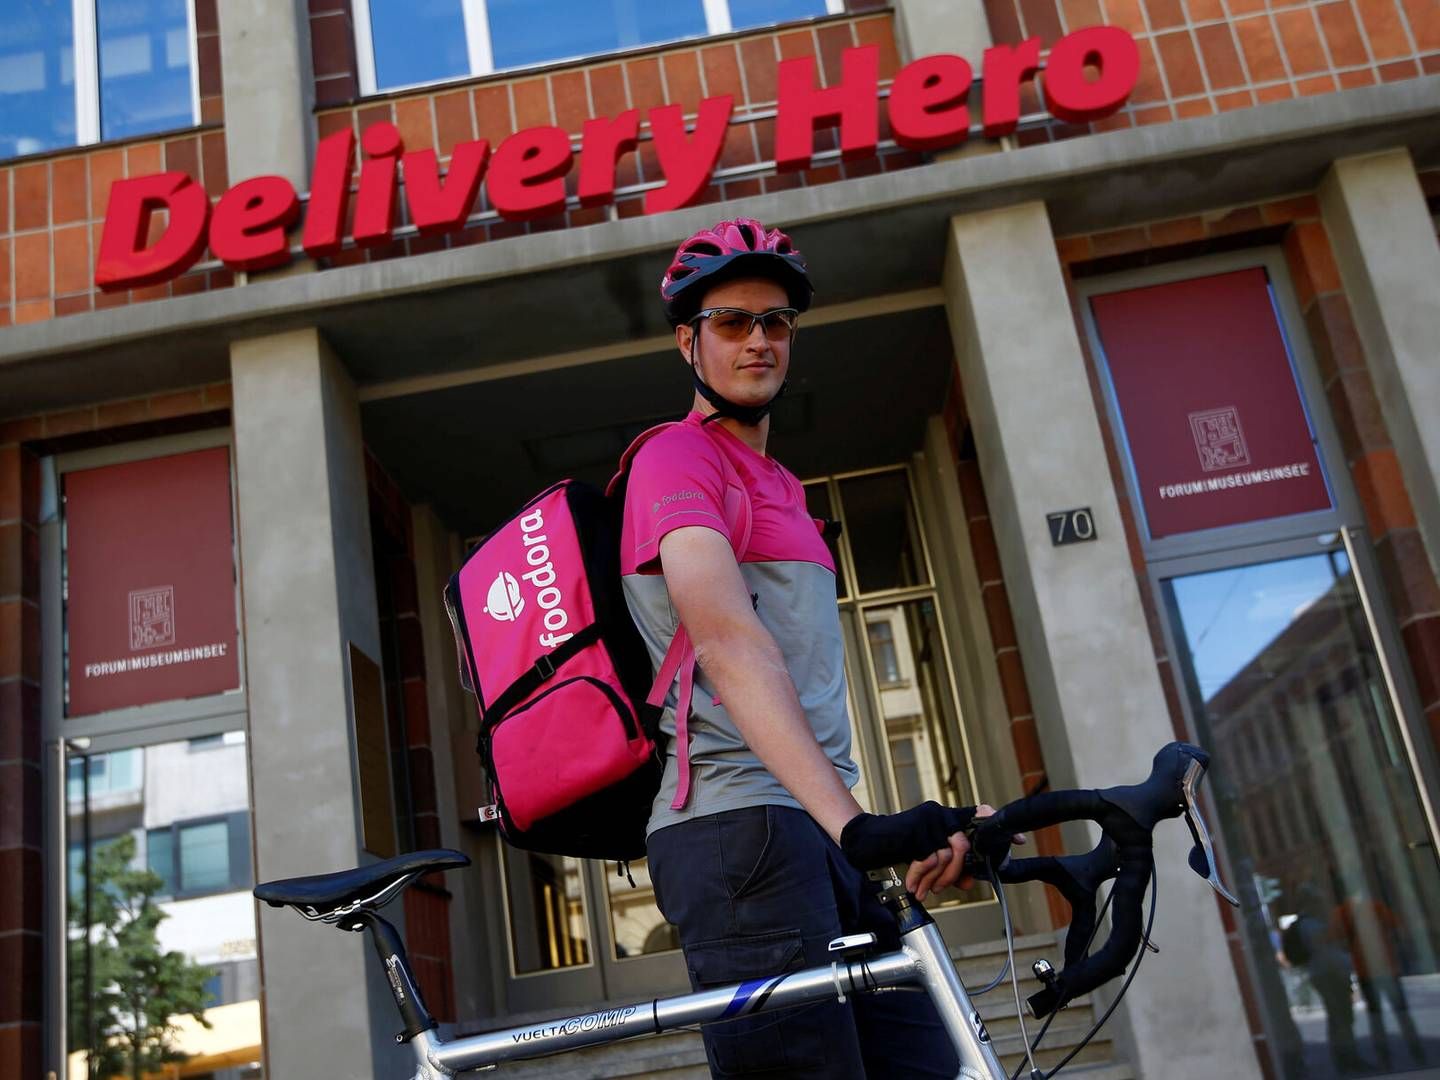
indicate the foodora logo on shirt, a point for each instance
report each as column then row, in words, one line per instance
column 542, row 577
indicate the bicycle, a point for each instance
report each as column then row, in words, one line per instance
column 1127, row 816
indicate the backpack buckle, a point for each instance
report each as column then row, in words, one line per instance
column 545, row 667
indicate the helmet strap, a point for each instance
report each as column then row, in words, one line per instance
column 750, row 415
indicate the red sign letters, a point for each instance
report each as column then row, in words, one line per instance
column 1088, row 75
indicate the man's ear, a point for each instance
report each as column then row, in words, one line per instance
column 684, row 336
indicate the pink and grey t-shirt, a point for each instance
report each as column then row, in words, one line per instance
column 679, row 479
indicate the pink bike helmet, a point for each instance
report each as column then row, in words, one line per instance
column 731, row 249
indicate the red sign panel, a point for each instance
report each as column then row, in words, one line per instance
column 151, row 596
column 1217, row 430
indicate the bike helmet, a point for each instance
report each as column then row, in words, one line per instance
column 742, row 247
column 730, row 249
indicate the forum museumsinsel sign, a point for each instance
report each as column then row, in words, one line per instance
column 1088, row 74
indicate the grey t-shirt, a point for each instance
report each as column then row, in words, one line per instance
column 678, row 479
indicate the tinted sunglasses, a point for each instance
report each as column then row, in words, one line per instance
column 737, row 324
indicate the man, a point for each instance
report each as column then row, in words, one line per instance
column 748, row 861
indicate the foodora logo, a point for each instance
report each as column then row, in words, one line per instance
column 542, row 576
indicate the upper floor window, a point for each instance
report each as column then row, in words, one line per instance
column 405, row 42
column 77, row 73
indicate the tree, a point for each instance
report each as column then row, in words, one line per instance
column 139, row 990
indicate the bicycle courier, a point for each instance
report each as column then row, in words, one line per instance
column 569, row 714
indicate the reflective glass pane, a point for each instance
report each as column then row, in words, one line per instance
column 747, row 13
column 144, row 66
column 37, row 77
column 883, row 532
column 636, row 925
column 417, row 41
column 176, row 819
column 818, row 502
column 1319, row 812
column 204, row 857
column 533, row 31
column 549, row 926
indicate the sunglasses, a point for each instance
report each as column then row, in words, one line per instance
column 737, row 324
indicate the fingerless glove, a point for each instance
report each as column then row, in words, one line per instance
column 870, row 841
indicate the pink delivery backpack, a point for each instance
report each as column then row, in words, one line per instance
column 569, row 713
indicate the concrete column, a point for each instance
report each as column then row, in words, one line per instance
column 308, row 587
column 269, row 87
column 1389, row 262
column 1098, row 702
column 927, row 27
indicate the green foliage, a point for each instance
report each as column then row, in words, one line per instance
column 139, row 990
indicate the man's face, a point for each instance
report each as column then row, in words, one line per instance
column 748, row 372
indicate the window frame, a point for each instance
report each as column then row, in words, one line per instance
column 85, row 43
column 1344, row 509
column 475, row 14
column 135, row 725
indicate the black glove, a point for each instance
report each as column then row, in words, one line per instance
column 870, row 841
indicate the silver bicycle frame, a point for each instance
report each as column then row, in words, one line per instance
column 922, row 960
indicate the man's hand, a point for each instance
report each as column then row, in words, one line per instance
column 946, row 866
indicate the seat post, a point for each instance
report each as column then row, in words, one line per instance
column 391, row 950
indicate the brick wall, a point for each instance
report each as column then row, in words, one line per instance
column 427, row 903
column 21, row 756
column 1200, row 57
column 52, row 205
column 744, row 66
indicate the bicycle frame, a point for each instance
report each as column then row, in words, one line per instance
column 922, row 961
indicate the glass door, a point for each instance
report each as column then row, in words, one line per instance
column 1323, row 822
column 907, row 731
column 162, row 971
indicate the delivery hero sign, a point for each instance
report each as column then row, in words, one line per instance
column 1088, row 75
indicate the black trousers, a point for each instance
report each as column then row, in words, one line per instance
column 760, row 891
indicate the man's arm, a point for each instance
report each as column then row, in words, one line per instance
column 748, row 669
column 743, row 661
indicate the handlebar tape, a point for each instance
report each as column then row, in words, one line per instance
column 1127, row 815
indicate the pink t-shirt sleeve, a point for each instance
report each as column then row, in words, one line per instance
column 677, row 479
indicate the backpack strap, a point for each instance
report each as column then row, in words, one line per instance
column 680, row 656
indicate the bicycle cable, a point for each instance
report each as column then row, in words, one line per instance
column 1010, row 963
column 1139, row 958
column 1099, row 919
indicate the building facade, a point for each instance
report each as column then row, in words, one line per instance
column 1128, row 412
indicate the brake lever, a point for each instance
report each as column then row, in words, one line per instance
column 1202, row 855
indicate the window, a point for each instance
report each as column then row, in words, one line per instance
column 882, row 648
column 115, row 773
column 76, row 74
column 405, row 42
column 197, row 858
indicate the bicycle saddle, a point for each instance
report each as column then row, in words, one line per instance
column 332, row 897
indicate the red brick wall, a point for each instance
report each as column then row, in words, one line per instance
column 1199, row 57
column 744, row 66
column 52, row 205
column 427, row 904
column 21, row 880
column 332, row 52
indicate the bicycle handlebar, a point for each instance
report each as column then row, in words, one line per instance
column 1127, row 816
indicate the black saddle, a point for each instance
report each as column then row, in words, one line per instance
column 335, row 897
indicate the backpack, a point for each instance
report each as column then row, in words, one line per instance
column 569, row 714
